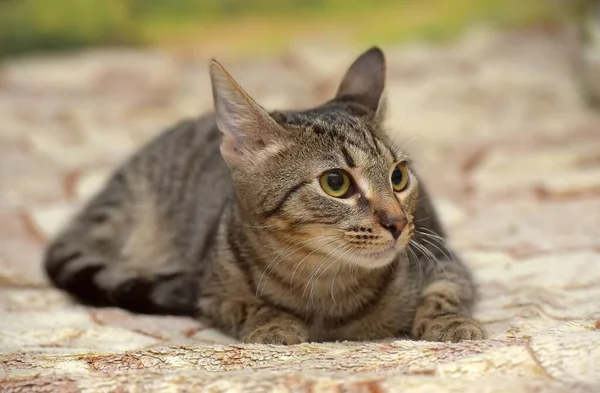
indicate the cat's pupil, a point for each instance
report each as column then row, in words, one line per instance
column 335, row 181
column 396, row 176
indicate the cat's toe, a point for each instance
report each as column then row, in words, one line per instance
column 453, row 328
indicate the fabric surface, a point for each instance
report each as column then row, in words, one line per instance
column 501, row 136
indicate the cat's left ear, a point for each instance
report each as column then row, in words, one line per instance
column 246, row 126
column 364, row 81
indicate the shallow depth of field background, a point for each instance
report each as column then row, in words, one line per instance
column 250, row 27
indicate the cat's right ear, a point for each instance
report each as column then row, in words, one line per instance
column 245, row 125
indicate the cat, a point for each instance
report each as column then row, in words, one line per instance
column 276, row 227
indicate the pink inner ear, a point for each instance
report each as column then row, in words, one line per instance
column 231, row 149
column 229, row 145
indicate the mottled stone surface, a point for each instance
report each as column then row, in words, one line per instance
column 501, row 136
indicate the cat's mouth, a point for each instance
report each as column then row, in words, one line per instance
column 381, row 255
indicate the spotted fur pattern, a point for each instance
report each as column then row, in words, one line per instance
column 223, row 218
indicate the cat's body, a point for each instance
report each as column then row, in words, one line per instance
column 248, row 232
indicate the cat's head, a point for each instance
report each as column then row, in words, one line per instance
column 329, row 176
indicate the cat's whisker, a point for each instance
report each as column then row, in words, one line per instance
column 408, row 140
column 422, row 219
column 420, row 248
column 313, row 279
column 343, row 266
column 288, row 247
column 319, row 266
column 437, row 238
column 345, row 251
column 432, row 233
column 440, row 242
column 408, row 249
column 428, row 254
column 441, row 265
column 303, row 259
column 340, row 266
column 277, row 259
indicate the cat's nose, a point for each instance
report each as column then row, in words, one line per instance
column 394, row 225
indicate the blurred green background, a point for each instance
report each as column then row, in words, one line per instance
column 247, row 25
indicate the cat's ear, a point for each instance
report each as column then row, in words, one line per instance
column 245, row 125
column 365, row 80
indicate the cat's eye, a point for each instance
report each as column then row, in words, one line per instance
column 400, row 177
column 336, row 183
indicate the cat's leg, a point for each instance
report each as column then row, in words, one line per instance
column 442, row 315
column 247, row 317
column 446, row 299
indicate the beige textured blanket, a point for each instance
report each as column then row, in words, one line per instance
column 503, row 139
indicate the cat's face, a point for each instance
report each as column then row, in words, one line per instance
column 328, row 178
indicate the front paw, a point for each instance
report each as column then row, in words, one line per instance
column 281, row 333
column 453, row 328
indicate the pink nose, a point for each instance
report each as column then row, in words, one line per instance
column 394, row 225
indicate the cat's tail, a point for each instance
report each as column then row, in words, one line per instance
column 97, row 281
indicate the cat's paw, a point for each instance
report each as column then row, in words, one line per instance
column 287, row 333
column 453, row 328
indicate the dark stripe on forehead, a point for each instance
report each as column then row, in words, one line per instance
column 369, row 131
column 348, row 157
column 284, row 199
column 342, row 122
column 361, row 146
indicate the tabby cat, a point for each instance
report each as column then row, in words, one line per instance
column 281, row 227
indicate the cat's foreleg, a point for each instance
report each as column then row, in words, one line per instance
column 446, row 300
column 251, row 320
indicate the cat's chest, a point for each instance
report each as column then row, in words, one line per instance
column 337, row 308
column 387, row 314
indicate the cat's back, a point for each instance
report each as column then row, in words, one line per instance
column 182, row 160
column 156, row 215
column 185, row 177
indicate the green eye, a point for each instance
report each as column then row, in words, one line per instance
column 400, row 177
column 335, row 183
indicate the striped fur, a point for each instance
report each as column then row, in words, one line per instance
column 222, row 218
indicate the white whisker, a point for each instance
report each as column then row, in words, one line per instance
column 318, row 267
column 278, row 258
column 309, row 254
column 408, row 249
column 345, row 251
column 449, row 255
column 429, row 255
column 343, row 266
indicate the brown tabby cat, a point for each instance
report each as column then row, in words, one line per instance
column 280, row 227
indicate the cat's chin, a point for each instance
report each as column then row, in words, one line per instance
column 373, row 260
